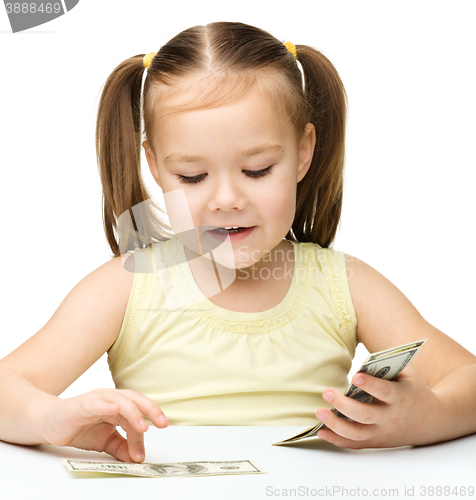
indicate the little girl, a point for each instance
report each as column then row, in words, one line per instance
column 240, row 313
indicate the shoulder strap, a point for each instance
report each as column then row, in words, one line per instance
column 336, row 278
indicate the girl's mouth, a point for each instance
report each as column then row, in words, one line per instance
column 222, row 230
column 235, row 234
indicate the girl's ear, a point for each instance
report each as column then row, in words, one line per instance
column 151, row 161
column 306, row 151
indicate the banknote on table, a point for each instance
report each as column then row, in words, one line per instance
column 168, row 469
column 385, row 364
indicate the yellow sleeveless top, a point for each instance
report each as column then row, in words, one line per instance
column 205, row 365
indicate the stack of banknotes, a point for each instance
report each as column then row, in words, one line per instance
column 385, row 364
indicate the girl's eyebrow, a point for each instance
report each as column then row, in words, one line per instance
column 256, row 150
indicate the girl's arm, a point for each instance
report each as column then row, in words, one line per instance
column 432, row 400
column 83, row 327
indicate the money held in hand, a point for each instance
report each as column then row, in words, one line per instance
column 175, row 469
column 385, row 364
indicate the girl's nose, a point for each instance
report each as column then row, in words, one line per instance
column 226, row 195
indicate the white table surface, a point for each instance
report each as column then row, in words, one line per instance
column 308, row 469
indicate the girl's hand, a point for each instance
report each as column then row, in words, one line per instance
column 89, row 422
column 397, row 416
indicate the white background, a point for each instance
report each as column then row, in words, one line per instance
column 409, row 206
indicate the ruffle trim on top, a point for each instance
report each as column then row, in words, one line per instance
column 335, row 287
column 246, row 327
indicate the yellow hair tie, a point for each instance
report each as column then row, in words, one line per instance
column 291, row 47
column 147, row 61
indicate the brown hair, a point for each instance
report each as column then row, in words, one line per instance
column 225, row 60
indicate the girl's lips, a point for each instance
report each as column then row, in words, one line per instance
column 233, row 236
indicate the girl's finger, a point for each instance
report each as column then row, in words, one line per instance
column 149, row 408
column 365, row 413
column 350, row 430
column 383, row 390
column 135, row 441
column 342, row 442
column 117, row 447
column 89, row 410
column 97, row 407
column 130, row 450
column 127, row 409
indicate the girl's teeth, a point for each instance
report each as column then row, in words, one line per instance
column 230, row 231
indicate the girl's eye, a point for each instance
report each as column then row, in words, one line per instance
column 250, row 173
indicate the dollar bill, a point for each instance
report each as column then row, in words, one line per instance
column 386, row 364
column 172, row 469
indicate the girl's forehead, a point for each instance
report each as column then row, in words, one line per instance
column 252, row 111
column 244, row 123
column 200, row 92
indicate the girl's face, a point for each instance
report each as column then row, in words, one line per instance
column 238, row 165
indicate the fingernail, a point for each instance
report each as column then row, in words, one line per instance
column 163, row 419
column 328, row 396
column 140, row 455
column 142, row 422
column 358, row 380
column 322, row 416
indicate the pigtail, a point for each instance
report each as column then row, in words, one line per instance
column 319, row 195
column 118, row 143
